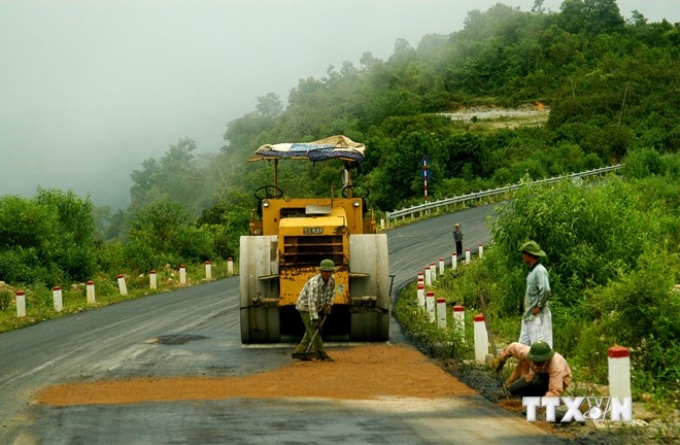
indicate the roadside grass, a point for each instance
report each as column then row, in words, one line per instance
column 40, row 302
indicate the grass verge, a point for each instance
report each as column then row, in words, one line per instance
column 40, row 301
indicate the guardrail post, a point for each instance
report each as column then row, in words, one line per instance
column 208, row 270
column 428, row 276
column 230, row 266
column 441, row 266
column 454, row 261
column 433, row 271
column 467, row 256
column 481, row 251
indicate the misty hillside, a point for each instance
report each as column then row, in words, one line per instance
column 611, row 86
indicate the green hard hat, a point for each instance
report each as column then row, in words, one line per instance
column 540, row 352
column 327, row 266
column 532, row 248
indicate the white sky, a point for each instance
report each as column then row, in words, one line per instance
column 90, row 88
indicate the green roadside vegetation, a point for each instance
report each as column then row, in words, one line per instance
column 39, row 299
column 614, row 264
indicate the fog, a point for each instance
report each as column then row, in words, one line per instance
column 89, row 89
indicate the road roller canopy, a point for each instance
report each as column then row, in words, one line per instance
column 333, row 147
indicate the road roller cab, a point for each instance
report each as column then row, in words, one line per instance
column 290, row 236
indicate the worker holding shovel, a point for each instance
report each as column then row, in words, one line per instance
column 541, row 372
column 315, row 300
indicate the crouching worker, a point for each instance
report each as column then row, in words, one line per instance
column 541, row 372
column 315, row 301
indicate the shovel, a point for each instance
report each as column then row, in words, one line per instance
column 493, row 344
column 311, row 341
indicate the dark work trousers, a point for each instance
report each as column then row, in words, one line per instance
column 317, row 346
column 537, row 387
column 459, row 249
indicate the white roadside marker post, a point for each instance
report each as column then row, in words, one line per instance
column 481, row 339
column 153, row 283
column 441, row 313
column 57, row 298
column 21, row 304
column 89, row 292
column 429, row 304
column 122, row 287
column 208, row 270
column 619, row 372
column 421, row 295
column 459, row 320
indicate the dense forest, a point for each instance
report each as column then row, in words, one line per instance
column 611, row 83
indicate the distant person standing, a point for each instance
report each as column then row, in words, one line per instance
column 458, row 238
column 537, row 319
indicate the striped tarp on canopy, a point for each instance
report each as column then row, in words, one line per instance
column 333, row 147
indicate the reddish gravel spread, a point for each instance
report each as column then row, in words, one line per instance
column 359, row 372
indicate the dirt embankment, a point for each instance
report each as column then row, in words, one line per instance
column 499, row 117
column 647, row 428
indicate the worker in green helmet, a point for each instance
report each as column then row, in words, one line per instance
column 537, row 318
column 314, row 301
column 541, row 372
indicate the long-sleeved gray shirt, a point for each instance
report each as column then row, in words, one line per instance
column 315, row 295
column 538, row 290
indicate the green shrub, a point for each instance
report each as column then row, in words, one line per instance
column 613, row 259
column 111, row 257
column 640, row 311
column 642, row 162
column 6, row 297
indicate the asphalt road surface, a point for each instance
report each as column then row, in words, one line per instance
column 195, row 332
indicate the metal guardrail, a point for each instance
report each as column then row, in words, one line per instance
column 492, row 192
